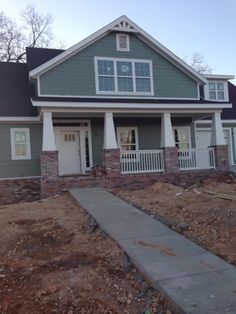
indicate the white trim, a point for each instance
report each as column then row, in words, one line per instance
column 115, row 75
column 234, row 133
column 101, row 33
column 81, row 130
column 20, row 178
column 209, row 121
column 186, row 127
column 135, row 128
column 167, row 136
column 109, row 141
column 13, row 147
column 87, row 105
column 219, row 76
column 19, row 119
column 230, row 143
column 207, row 91
column 114, row 97
column 118, row 48
column 48, row 132
column 230, row 138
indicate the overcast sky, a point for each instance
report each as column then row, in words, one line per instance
column 183, row 26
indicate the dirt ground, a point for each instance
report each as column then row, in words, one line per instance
column 204, row 218
column 54, row 259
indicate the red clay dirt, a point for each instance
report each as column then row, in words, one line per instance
column 204, row 218
column 54, row 259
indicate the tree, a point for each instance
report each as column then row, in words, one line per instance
column 196, row 61
column 34, row 31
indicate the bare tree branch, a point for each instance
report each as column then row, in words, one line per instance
column 35, row 31
column 196, row 61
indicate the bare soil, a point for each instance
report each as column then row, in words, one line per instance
column 204, row 218
column 55, row 259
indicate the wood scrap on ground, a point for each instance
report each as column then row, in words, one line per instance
column 222, row 195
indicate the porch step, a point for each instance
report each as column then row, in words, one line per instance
column 195, row 280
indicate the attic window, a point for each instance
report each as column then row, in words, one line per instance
column 122, row 42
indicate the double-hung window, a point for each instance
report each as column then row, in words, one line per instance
column 20, row 143
column 216, row 91
column 127, row 138
column 123, row 76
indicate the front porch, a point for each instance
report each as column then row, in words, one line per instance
column 77, row 146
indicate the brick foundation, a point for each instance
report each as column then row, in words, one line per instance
column 171, row 159
column 49, row 173
column 221, row 157
column 111, row 162
column 19, row 190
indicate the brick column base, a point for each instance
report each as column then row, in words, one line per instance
column 221, row 157
column 171, row 159
column 49, row 173
column 111, row 162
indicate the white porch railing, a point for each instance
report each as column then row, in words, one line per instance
column 196, row 158
column 142, row 161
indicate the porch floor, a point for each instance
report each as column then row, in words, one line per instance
column 191, row 277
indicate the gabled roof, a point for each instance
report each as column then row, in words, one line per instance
column 15, row 91
column 230, row 113
column 122, row 24
column 37, row 56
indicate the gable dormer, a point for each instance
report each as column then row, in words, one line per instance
column 216, row 88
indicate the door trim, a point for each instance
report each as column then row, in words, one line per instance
column 230, row 139
column 81, row 130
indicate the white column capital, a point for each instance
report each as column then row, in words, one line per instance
column 48, row 132
column 109, row 132
column 167, row 136
column 217, row 133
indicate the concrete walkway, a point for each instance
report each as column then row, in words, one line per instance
column 194, row 279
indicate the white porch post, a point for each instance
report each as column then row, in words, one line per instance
column 109, row 132
column 48, row 133
column 167, row 136
column 217, row 133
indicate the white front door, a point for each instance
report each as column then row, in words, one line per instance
column 69, row 152
column 203, row 140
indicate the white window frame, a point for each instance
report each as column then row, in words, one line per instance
column 116, row 92
column 225, row 90
column 185, row 128
column 118, row 48
column 135, row 128
column 13, row 148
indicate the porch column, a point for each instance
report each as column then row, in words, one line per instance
column 168, row 144
column 218, row 142
column 111, row 152
column 49, row 158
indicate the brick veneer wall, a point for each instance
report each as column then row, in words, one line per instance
column 19, row 190
column 49, row 173
column 222, row 157
column 171, row 159
column 111, row 162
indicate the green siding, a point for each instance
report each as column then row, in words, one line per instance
column 149, row 132
column 76, row 75
column 20, row 168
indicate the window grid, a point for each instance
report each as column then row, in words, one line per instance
column 20, row 143
column 147, row 88
column 216, row 91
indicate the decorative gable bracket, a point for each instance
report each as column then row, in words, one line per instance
column 124, row 26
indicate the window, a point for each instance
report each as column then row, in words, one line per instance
column 20, row 144
column 122, row 42
column 182, row 137
column 127, row 138
column 123, row 76
column 216, row 91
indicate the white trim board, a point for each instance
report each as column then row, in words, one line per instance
column 209, row 121
column 19, row 119
column 164, row 106
column 20, row 178
column 124, row 24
